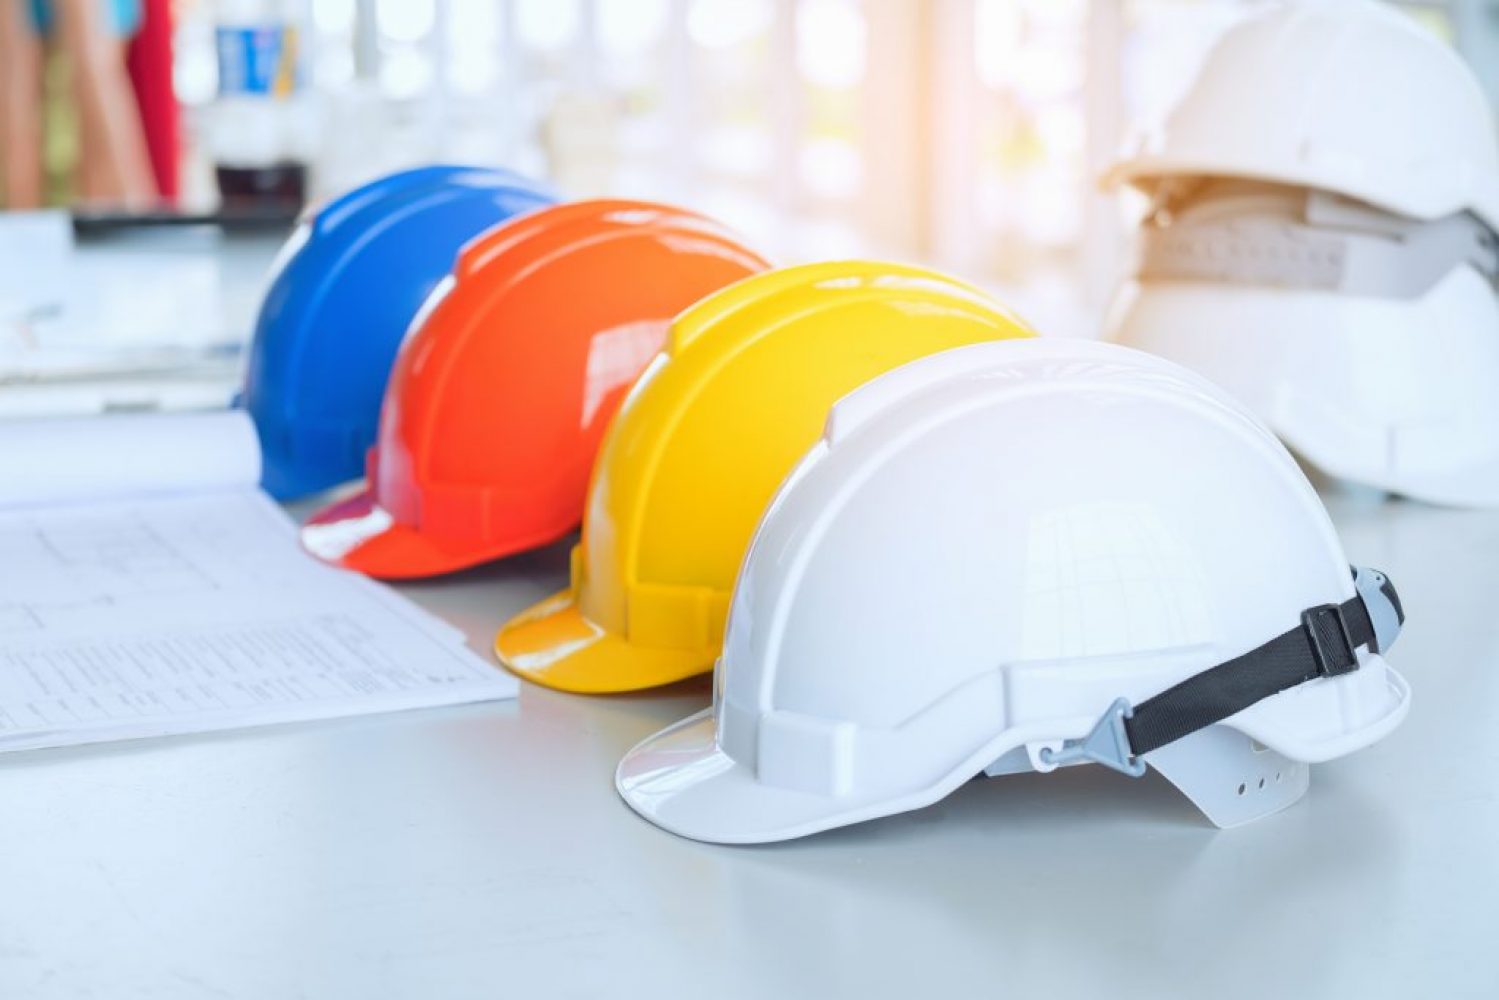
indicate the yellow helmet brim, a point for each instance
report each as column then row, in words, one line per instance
column 555, row 645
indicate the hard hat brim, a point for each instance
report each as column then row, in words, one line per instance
column 1472, row 487
column 358, row 534
column 1477, row 488
column 681, row 781
column 555, row 645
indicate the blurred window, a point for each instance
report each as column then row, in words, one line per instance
column 964, row 132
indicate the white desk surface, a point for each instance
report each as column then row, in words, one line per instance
column 482, row 851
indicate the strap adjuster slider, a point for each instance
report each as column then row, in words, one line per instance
column 1332, row 644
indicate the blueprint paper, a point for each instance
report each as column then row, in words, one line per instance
column 146, row 614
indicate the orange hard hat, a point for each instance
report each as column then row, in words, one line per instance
column 503, row 387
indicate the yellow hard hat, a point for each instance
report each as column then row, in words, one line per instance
column 701, row 444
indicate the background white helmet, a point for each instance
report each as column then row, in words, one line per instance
column 1322, row 243
column 989, row 549
column 1350, row 96
column 1368, row 343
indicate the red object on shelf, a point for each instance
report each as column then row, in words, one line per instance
column 150, row 63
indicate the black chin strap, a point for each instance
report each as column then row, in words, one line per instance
column 1323, row 645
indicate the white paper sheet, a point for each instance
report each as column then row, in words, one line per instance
column 67, row 460
column 158, row 324
column 37, row 249
column 144, row 614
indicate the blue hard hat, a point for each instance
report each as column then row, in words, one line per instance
column 342, row 294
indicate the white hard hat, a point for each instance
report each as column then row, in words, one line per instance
column 1368, row 342
column 1352, row 97
column 1017, row 556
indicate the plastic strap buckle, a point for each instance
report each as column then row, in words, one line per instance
column 1108, row 744
column 1331, row 661
column 1375, row 590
